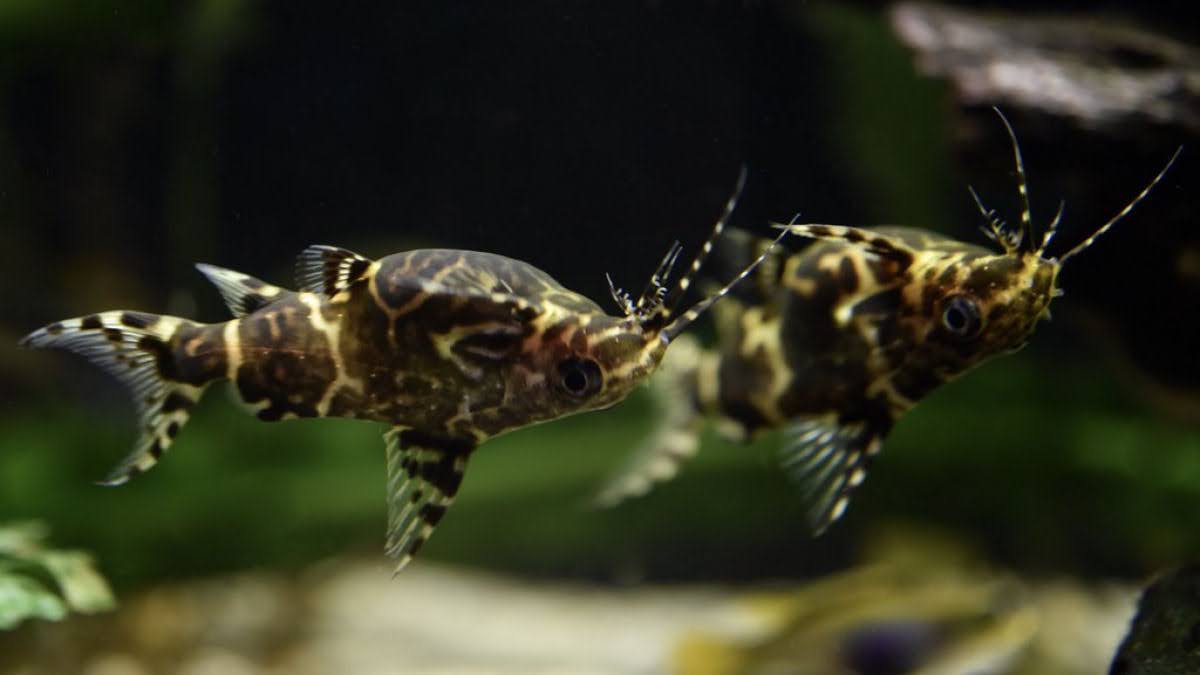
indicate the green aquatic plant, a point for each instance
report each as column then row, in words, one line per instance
column 42, row 583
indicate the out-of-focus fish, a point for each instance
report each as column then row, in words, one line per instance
column 838, row 341
column 448, row 347
column 918, row 606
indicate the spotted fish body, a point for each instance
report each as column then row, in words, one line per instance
column 447, row 347
column 837, row 342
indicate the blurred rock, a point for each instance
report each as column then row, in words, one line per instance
column 919, row 604
column 1165, row 636
column 115, row 664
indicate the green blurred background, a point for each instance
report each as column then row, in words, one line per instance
column 137, row 138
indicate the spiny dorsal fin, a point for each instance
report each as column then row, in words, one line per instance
column 829, row 460
column 328, row 269
column 423, row 474
column 243, row 294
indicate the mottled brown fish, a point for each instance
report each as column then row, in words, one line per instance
column 448, row 347
column 835, row 343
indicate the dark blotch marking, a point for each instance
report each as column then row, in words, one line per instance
column 252, row 302
column 447, row 444
column 156, row 449
column 915, row 382
column 163, row 357
column 54, row 329
column 441, row 473
column 113, row 334
column 847, row 277
column 884, row 303
column 432, row 514
column 90, row 323
column 854, row 236
column 357, row 267
column 416, row 545
column 138, row 320
column 176, row 401
column 251, row 282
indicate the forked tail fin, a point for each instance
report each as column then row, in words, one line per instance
column 144, row 352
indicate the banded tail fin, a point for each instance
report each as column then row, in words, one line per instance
column 242, row 293
column 134, row 347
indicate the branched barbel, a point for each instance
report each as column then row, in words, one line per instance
column 835, row 343
column 448, row 347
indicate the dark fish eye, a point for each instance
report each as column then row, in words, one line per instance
column 579, row 377
column 960, row 316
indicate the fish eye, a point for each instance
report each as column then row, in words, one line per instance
column 960, row 316
column 579, row 377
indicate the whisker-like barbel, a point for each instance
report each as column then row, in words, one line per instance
column 835, row 343
column 1122, row 213
column 448, row 347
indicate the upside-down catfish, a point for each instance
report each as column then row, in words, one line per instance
column 838, row 341
column 448, row 347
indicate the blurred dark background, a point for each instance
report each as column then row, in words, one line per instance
column 583, row 137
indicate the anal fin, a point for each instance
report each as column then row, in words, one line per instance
column 829, row 460
column 424, row 472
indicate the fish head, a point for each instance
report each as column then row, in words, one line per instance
column 590, row 360
column 959, row 304
column 583, row 362
column 975, row 307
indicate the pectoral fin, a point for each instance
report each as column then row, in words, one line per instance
column 677, row 436
column 829, row 460
column 424, row 472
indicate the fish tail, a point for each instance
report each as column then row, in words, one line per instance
column 164, row 361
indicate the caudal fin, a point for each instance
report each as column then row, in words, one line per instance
column 136, row 348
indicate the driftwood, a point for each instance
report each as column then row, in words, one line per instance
column 1100, row 71
column 1164, row 638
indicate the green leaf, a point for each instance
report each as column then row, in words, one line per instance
column 45, row 584
column 82, row 586
column 23, row 598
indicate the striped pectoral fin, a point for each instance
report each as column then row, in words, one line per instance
column 656, row 461
column 675, row 439
column 328, row 269
column 829, row 460
column 424, row 472
column 135, row 348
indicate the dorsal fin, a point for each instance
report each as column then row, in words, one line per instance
column 242, row 293
column 328, row 269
